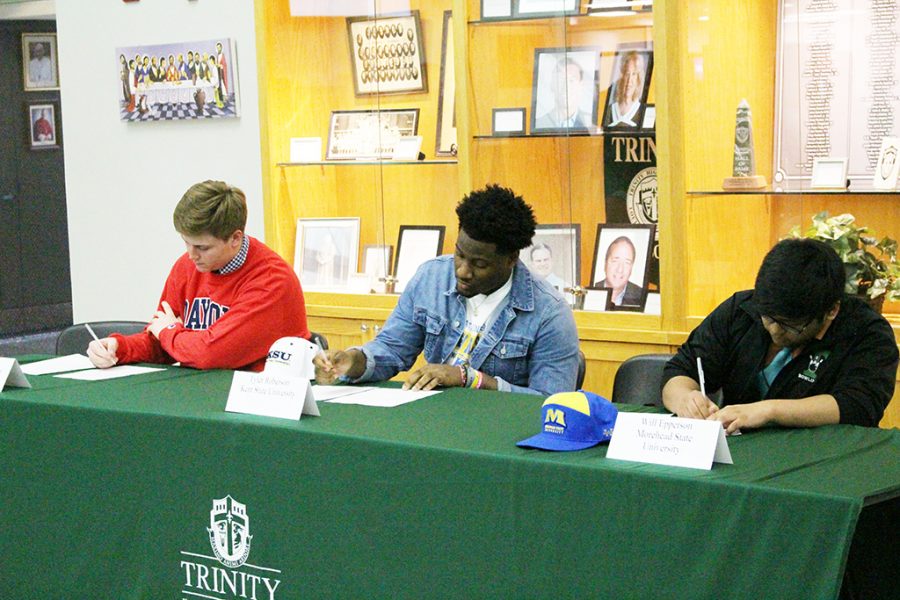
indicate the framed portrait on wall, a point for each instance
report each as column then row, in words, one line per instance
column 626, row 98
column 621, row 260
column 43, row 129
column 325, row 252
column 40, row 68
column 387, row 54
column 415, row 245
column 355, row 134
column 555, row 254
column 564, row 90
column 446, row 116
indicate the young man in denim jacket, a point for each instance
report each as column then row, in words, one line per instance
column 480, row 317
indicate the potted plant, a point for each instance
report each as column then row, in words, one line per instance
column 871, row 266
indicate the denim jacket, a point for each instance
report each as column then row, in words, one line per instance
column 531, row 346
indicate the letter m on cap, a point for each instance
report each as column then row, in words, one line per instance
column 555, row 415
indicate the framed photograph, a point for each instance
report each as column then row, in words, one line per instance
column 40, row 68
column 507, row 122
column 387, row 54
column 445, row 144
column 546, row 8
column 829, row 173
column 621, row 260
column 43, row 128
column 555, row 254
column 192, row 79
column 325, row 252
column 564, row 92
column 415, row 245
column 885, row 176
column 626, row 98
column 377, row 261
column 355, row 134
column 496, row 10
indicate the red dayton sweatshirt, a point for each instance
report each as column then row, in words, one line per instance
column 230, row 321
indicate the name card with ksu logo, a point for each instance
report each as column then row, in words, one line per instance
column 665, row 440
column 271, row 395
column 11, row 374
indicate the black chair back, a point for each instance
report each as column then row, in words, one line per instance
column 318, row 338
column 75, row 339
column 582, row 368
column 639, row 380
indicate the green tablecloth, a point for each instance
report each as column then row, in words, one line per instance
column 106, row 490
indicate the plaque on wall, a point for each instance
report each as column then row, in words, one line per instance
column 359, row 134
column 837, row 86
column 387, row 54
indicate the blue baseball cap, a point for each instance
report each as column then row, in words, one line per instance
column 573, row 421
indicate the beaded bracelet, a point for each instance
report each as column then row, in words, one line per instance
column 463, row 374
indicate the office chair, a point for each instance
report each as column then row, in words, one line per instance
column 318, row 338
column 75, row 339
column 582, row 368
column 639, row 380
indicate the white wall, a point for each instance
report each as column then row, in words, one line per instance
column 124, row 179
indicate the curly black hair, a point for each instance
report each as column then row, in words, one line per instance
column 495, row 215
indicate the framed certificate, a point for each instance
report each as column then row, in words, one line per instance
column 374, row 134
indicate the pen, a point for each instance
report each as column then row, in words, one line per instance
column 91, row 331
column 700, row 373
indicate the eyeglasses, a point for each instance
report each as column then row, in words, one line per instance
column 767, row 320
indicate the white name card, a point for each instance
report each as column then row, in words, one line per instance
column 665, row 440
column 306, row 150
column 11, row 374
column 271, row 395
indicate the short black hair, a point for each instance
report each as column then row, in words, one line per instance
column 799, row 279
column 496, row 215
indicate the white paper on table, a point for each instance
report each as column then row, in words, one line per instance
column 384, row 397
column 324, row 393
column 60, row 364
column 111, row 373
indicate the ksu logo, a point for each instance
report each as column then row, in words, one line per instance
column 280, row 355
column 229, row 537
column 229, row 531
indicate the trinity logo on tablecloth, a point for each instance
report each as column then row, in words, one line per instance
column 229, row 531
column 229, row 537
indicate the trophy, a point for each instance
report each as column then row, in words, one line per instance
column 744, row 175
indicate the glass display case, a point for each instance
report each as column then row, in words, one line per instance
column 611, row 118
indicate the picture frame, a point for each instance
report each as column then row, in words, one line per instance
column 564, row 90
column 596, row 300
column 387, row 54
column 555, row 254
column 888, row 165
column 546, row 8
column 829, row 173
column 43, row 125
column 377, row 263
column 407, row 148
column 325, row 252
column 625, row 105
column 496, row 10
column 507, row 122
column 614, row 246
column 164, row 82
column 445, row 138
column 40, row 64
column 372, row 134
column 415, row 245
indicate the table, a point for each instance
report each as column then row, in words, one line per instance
column 107, row 490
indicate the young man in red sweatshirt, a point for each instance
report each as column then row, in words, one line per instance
column 226, row 300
